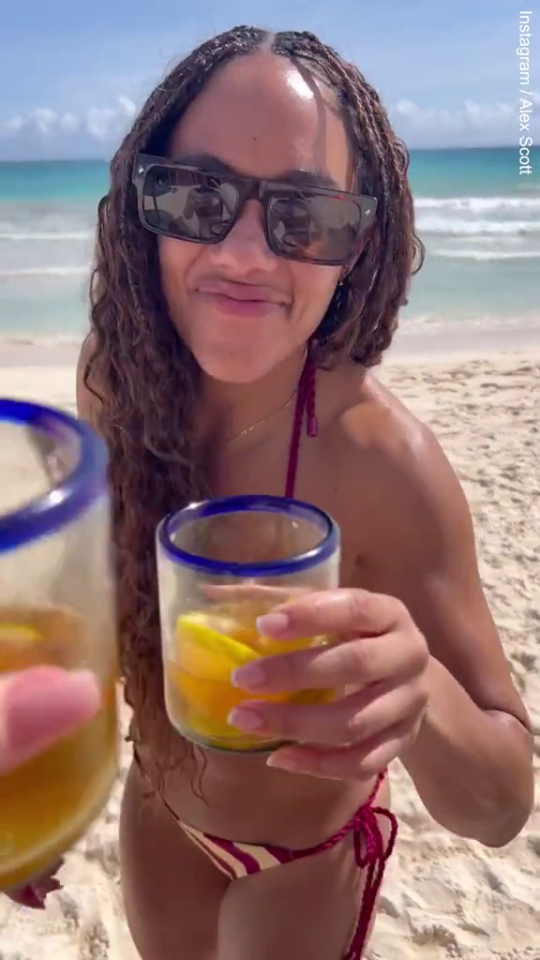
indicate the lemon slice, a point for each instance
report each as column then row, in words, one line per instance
column 18, row 633
column 269, row 647
column 204, row 652
column 21, row 647
column 220, row 734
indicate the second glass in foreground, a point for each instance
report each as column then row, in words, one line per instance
column 221, row 565
column 56, row 609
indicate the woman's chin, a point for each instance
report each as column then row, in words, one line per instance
column 236, row 370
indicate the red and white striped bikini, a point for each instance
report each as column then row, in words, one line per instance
column 237, row 860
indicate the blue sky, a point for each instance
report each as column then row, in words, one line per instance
column 72, row 75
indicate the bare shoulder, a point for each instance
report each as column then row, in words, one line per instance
column 404, row 451
column 88, row 402
column 405, row 508
column 388, row 454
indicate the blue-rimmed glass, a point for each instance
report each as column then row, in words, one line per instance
column 221, row 565
column 57, row 609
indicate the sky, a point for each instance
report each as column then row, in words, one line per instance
column 72, row 76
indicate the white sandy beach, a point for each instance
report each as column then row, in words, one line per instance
column 444, row 897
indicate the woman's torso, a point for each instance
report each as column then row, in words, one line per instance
column 240, row 798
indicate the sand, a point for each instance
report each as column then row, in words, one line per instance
column 443, row 897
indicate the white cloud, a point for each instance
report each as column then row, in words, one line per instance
column 127, row 106
column 44, row 118
column 425, row 118
column 470, row 124
column 101, row 123
column 70, row 121
column 483, row 115
column 406, row 108
column 98, row 121
column 14, row 124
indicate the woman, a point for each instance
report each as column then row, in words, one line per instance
column 253, row 251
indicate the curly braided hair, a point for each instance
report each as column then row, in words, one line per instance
column 146, row 378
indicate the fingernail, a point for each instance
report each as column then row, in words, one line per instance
column 273, row 624
column 46, row 700
column 281, row 763
column 245, row 718
column 250, row 677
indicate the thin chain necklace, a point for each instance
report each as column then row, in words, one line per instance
column 259, row 423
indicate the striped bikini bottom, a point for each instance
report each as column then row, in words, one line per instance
column 237, row 860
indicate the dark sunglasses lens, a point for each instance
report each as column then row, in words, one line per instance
column 188, row 204
column 314, row 227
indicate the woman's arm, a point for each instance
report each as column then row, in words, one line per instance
column 472, row 761
column 471, row 767
column 425, row 671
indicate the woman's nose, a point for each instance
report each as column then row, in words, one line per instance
column 245, row 247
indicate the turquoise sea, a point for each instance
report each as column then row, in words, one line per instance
column 479, row 219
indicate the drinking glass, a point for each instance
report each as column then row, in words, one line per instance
column 222, row 564
column 56, row 608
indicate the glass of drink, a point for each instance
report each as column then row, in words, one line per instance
column 221, row 565
column 56, row 608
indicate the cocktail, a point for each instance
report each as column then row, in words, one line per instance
column 221, row 565
column 56, row 608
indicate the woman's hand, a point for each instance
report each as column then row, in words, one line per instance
column 34, row 894
column 38, row 707
column 380, row 665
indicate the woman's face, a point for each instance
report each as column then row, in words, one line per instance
column 261, row 117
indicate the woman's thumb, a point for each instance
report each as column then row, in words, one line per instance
column 38, row 707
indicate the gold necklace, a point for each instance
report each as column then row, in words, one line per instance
column 259, row 423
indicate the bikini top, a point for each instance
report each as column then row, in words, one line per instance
column 305, row 411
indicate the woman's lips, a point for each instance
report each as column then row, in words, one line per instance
column 240, row 308
column 240, row 299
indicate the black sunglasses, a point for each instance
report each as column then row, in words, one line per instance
column 301, row 221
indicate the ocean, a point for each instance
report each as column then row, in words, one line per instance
column 479, row 220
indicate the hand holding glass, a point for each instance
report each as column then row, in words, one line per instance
column 221, row 565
